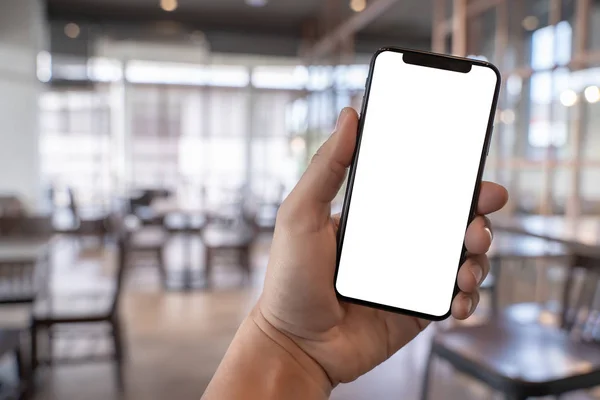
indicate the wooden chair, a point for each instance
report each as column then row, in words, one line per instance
column 10, row 343
column 92, row 223
column 228, row 242
column 21, row 274
column 149, row 241
column 267, row 205
column 523, row 250
column 141, row 206
column 18, row 283
column 79, row 311
column 524, row 360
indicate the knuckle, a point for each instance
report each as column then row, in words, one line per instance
column 284, row 213
column 317, row 155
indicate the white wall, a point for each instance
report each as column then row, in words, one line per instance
column 21, row 34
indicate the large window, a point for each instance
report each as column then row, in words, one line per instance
column 545, row 146
column 188, row 127
column 155, row 124
column 75, row 142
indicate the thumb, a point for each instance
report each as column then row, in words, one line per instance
column 327, row 170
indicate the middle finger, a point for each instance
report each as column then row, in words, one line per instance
column 478, row 238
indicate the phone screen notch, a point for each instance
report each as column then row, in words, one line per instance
column 433, row 61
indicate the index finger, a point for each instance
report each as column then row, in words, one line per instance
column 492, row 197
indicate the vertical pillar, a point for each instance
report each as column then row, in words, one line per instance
column 501, row 44
column 578, row 112
column 550, row 154
column 120, row 137
column 517, row 12
column 22, row 27
column 459, row 28
column 581, row 32
column 250, row 94
column 438, row 34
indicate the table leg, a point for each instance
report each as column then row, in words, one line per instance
column 187, row 267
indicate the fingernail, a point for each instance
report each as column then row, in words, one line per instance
column 469, row 304
column 341, row 118
column 477, row 272
column 489, row 231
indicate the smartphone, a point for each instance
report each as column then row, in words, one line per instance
column 424, row 132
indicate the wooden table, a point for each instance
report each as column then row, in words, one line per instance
column 581, row 236
column 22, row 249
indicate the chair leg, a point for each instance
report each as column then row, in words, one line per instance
column 34, row 347
column 426, row 373
column 24, row 383
column 50, row 341
column 19, row 365
column 117, row 336
column 207, row 266
column 494, row 269
column 244, row 260
column 161, row 266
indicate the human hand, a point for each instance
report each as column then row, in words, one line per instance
column 299, row 307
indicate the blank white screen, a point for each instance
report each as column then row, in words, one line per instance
column 421, row 146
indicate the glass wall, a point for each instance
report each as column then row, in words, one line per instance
column 188, row 127
column 75, row 142
column 546, row 144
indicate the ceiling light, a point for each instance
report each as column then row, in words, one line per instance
column 592, row 94
column 257, row 3
column 507, row 117
column 72, row 30
column 358, row 5
column 568, row 98
column 298, row 144
column 168, row 5
column 530, row 23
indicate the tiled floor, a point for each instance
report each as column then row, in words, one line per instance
column 176, row 340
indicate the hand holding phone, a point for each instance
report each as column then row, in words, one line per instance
column 299, row 303
column 301, row 339
column 423, row 139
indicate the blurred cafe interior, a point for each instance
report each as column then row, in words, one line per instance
column 146, row 145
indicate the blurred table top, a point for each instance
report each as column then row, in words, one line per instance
column 511, row 245
column 23, row 249
column 581, row 235
column 215, row 236
column 164, row 206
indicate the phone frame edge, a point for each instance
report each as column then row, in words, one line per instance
column 351, row 174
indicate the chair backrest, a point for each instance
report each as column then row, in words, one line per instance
column 17, row 282
column 526, row 269
column 73, row 203
column 121, row 267
column 144, row 199
column 11, row 206
column 581, row 300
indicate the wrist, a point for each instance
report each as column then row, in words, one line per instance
column 297, row 358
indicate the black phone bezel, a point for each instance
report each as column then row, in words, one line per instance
column 431, row 60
